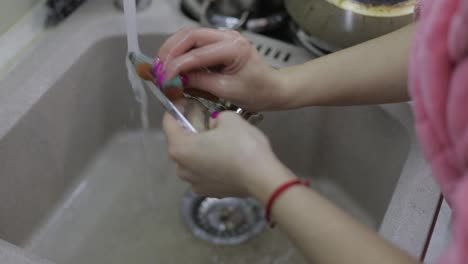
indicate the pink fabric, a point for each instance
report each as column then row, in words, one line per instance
column 439, row 87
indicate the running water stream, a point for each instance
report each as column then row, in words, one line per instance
column 138, row 89
column 133, row 46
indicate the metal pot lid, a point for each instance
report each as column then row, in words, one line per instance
column 340, row 23
column 377, row 8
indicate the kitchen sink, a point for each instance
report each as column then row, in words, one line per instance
column 82, row 182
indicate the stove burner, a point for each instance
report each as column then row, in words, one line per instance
column 313, row 45
column 265, row 17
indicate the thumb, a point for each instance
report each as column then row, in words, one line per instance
column 173, row 130
column 225, row 119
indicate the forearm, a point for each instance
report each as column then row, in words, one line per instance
column 324, row 233
column 327, row 235
column 370, row 73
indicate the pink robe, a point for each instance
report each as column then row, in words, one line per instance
column 439, row 88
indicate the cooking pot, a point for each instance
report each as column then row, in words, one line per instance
column 338, row 24
column 252, row 15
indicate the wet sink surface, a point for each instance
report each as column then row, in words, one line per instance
column 125, row 209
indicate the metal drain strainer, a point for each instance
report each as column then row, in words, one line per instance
column 227, row 221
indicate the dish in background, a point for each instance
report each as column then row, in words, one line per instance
column 332, row 25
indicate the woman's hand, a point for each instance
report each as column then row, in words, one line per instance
column 224, row 63
column 232, row 159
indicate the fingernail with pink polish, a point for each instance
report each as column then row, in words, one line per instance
column 161, row 79
column 157, row 66
column 184, row 79
column 157, row 69
column 215, row 115
column 156, row 61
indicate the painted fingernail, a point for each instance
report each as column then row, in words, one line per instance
column 184, row 79
column 215, row 115
column 157, row 69
column 162, row 78
column 156, row 61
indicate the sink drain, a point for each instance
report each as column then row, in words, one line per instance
column 227, row 221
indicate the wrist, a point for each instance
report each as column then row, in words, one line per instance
column 301, row 85
column 266, row 177
column 284, row 89
column 275, row 91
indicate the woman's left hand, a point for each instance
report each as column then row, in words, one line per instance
column 226, row 160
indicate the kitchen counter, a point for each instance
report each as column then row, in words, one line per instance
column 11, row 254
column 441, row 235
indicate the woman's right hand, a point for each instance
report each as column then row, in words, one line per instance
column 223, row 63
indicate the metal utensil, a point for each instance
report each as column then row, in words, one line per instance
column 211, row 104
column 338, row 24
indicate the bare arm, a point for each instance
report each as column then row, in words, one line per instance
column 245, row 165
column 370, row 73
column 373, row 72
column 324, row 233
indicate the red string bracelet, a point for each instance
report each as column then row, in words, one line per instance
column 277, row 193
